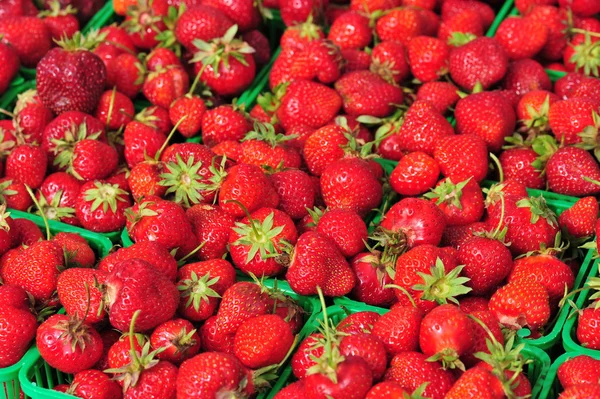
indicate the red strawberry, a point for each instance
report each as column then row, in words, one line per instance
column 576, row 370
column 388, row 60
column 442, row 95
column 125, row 73
column 263, row 147
column 115, row 110
column 92, row 160
column 580, row 220
column 464, row 24
column 416, row 173
column 18, row 325
column 586, row 327
column 477, row 381
column 94, row 384
column 201, row 22
column 262, row 341
column 68, row 344
column 260, row 43
column 346, row 229
column 164, row 86
column 231, row 315
column 428, row 58
column 522, row 303
column 462, row 156
column 371, row 270
column 293, row 391
column 10, row 59
column 31, row 116
column 353, row 378
column 60, row 22
column 28, row 35
column 135, row 286
column 224, row 123
column 522, row 37
column 295, row 190
column 365, row 93
column 569, row 118
column 526, row 75
column 179, row 340
column 487, row 263
column 294, row 13
column 500, row 120
column 14, row 194
column 482, row 60
column 566, row 169
column 423, row 126
column 211, row 224
column 79, row 291
column 461, row 202
column 399, row 329
column 453, row 7
column 149, row 251
column 350, row 31
column 101, row 207
column 212, row 338
column 400, row 24
column 27, row 164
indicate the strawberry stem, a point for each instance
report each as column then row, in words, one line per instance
column 497, row 163
column 169, row 137
column 37, row 204
column 134, row 356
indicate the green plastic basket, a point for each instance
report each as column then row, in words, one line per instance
column 37, row 378
column 9, row 380
column 551, row 388
column 500, row 16
column 99, row 242
column 569, row 334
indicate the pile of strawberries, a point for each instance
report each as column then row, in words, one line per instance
column 358, row 175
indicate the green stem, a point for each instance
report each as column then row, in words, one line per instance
column 169, row 137
column 37, row 204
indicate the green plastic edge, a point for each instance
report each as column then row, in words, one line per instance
column 33, row 367
column 502, row 14
column 570, row 330
column 551, row 387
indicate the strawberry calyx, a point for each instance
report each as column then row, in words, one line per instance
column 183, row 180
column 260, row 236
column 538, row 119
column 448, row 193
column 441, row 287
column 106, row 195
column 544, row 146
column 589, row 136
column 539, row 209
column 266, row 132
column 65, row 146
column 4, row 215
column 458, row 39
column 136, row 216
column 218, row 51
column 385, row 69
column 166, row 37
column 219, row 173
column 6, row 144
column 74, row 332
column 52, row 210
column 147, row 117
column 315, row 214
column 141, row 16
column 394, row 243
column 449, row 358
column 387, row 126
column 25, row 99
column 56, row 10
column 79, row 41
column 130, row 373
column 183, row 341
column 355, row 147
column 5, row 191
column 198, row 289
column 586, row 55
column 308, row 29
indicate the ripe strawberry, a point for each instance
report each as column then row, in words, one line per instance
column 478, row 381
column 179, row 340
column 461, row 202
column 292, row 391
column 411, row 370
column 14, row 194
column 388, row 60
column 566, row 169
column 308, row 103
column 441, row 95
column 17, row 7
column 570, row 117
column 365, row 93
column 91, row 160
column 586, row 327
column 482, row 60
column 346, row 229
column 10, row 59
column 358, row 322
column 370, row 348
column 78, row 89
column 67, row 344
column 295, row 190
column 79, row 291
column 115, row 110
column 265, row 148
column 211, row 224
column 415, row 174
column 149, row 251
column 580, row 369
column 319, row 60
column 257, row 241
column 533, row 108
column 201, row 22
column 428, row 58
column 223, row 374
column 260, row 43
column 413, row 222
column 201, row 284
column 224, row 123
column 31, row 116
column 399, row 329
column 18, row 325
column 27, row 164
column 262, row 341
column 316, row 262
column 487, row 263
column 138, row 287
column 60, row 22
column 526, row 75
column 371, row 270
column 462, row 25
column 353, row 378
column 462, row 157
column 522, row 37
column 28, row 232
column 360, row 192
column 500, row 120
column 350, row 31
column 453, row 7
column 423, row 126
column 101, row 207
column 579, row 221
column 588, row 88
column 293, row 13
column 521, row 303
column 164, row 86
column 231, row 316
column 28, row 35
column 578, row 55
column 94, row 384
column 400, row 24
column 193, row 108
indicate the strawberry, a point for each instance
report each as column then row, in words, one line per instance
column 101, row 206
column 411, row 370
column 360, row 192
column 262, row 341
column 462, row 157
column 346, row 229
column 222, row 374
column 295, row 190
column 67, row 344
column 9, row 58
column 201, row 284
column 477, row 381
column 308, row 103
column 350, row 31
column 245, row 14
column 456, row 236
column 327, row 145
column 60, row 22
column 358, row 322
column 165, row 85
column 92, row 160
column 80, row 88
column 36, row 269
column 256, row 242
column 521, row 303
column 27, row 164
column 586, row 325
column 569, row 118
column 211, row 224
column 292, row 391
column 17, row 7
column 415, row 174
column 263, row 147
column 370, row 348
column 365, row 93
column 31, row 116
column 137, row 287
column 201, row 22
column 191, row 107
column 353, row 378
column 428, row 58
column 94, row 384
column 125, row 72
column 319, row 60
column 588, row 88
column 462, row 202
column 580, row 391
column 179, row 340
column 581, row 8
column 526, row 75
column 260, row 43
column 224, row 123
column 18, row 325
column 386, row 389
column 231, row 315
column 554, row 275
column 399, row 329
column 453, row 7
column 578, row 55
column 499, row 119
column 576, row 370
column 482, row 60
column 579, row 221
column 487, row 263
column 533, row 108
column 79, row 292
column 441, row 95
column 14, row 194
column 388, row 60
column 144, row 21
column 316, row 262
column 76, row 249
column 522, row 37
column 149, row 251
column 29, row 233
column 464, row 24
column 413, row 222
column 371, row 270
column 400, row 24
column 115, row 110
column 423, row 126
column 29, row 36
column 293, row 13
column 566, row 169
